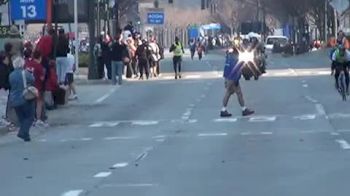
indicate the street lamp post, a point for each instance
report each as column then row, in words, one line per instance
column 76, row 23
column 326, row 20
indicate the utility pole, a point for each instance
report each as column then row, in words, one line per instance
column 93, row 74
column 76, row 24
column 335, row 24
column 326, row 21
column 116, row 24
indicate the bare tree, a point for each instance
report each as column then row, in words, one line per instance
column 227, row 14
column 178, row 17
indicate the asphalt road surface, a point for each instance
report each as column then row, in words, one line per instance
column 165, row 138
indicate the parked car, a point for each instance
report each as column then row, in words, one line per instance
column 276, row 43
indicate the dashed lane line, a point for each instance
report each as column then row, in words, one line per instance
column 263, row 119
column 306, row 117
column 73, row 193
column 128, row 185
column 211, row 134
column 119, row 138
column 335, row 133
column 219, row 120
column 266, row 133
column 145, row 123
column 120, row 165
column 102, row 175
column 344, row 144
column 193, row 76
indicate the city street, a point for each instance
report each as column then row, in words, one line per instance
column 165, row 137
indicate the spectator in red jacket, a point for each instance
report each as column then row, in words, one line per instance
column 34, row 65
column 46, row 44
column 46, row 47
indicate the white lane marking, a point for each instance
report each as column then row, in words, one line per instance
column 188, row 113
column 185, row 117
column 119, row 138
column 120, row 165
column 128, row 185
column 144, row 123
column 104, row 97
column 306, row 117
column 344, row 144
column 85, row 139
column 168, row 77
column 339, row 115
column 102, row 175
column 266, row 133
column 305, row 85
column 306, row 72
column 312, row 100
column 323, row 72
column 192, row 121
column 95, row 125
column 104, row 124
column 304, row 81
column 293, row 72
column 218, row 120
column 320, row 110
column 193, row 77
column 203, row 96
column 335, row 133
column 158, row 137
column 191, row 105
column 141, row 156
column 263, row 119
column 198, row 100
column 211, row 134
column 160, row 140
column 73, row 193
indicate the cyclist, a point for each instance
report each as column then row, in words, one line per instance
column 340, row 62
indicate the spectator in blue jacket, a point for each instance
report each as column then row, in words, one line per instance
column 25, row 109
column 232, row 75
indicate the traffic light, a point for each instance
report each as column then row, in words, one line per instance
column 203, row 5
column 171, row 1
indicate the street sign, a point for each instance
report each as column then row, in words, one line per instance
column 155, row 18
column 28, row 10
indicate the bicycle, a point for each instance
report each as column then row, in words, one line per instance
column 342, row 84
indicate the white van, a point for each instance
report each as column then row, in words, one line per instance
column 271, row 40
